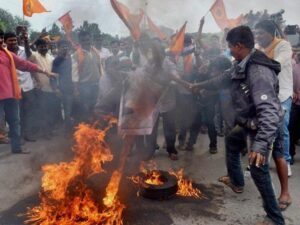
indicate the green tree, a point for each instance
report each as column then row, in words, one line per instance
column 92, row 28
column 8, row 22
column 55, row 30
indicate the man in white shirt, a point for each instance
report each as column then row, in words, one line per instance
column 281, row 51
column 46, row 97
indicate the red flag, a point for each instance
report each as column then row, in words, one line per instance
column 33, row 6
column 177, row 42
column 155, row 29
column 219, row 13
column 132, row 21
column 67, row 22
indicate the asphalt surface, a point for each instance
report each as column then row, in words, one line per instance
column 20, row 184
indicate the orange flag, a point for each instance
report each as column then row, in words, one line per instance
column 188, row 63
column 67, row 22
column 219, row 13
column 177, row 42
column 235, row 22
column 132, row 21
column 33, row 6
column 155, row 29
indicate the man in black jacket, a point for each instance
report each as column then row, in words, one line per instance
column 254, row 88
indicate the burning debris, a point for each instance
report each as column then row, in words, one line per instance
column 157, row 184
column 65, row 198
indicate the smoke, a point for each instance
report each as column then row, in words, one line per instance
column 170, row 13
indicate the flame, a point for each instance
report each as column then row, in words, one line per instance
column 154, row 178
column 65, row 199
column 185, row 186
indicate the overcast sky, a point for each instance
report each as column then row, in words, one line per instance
column 171, row 13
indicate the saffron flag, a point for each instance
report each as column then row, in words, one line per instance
column 33, row 6
column 177, row 42
column 132, row 21
column 219, row 13
column 155, row 29
column 67, row 22
column 235, row 22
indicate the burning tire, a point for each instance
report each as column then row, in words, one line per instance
column 166, row 190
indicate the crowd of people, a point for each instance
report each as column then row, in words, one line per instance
column 249, row 89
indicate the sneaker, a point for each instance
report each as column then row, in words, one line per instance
column 289, row 170
column 266, row 221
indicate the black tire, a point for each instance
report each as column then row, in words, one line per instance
column 160, row 192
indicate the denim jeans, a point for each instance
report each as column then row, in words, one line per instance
column 262, row 180
column 286, row 106
column 12, row 116
column 235, row 141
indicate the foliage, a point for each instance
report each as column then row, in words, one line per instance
column 8, row 22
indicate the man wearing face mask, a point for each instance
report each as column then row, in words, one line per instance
column 281, row 51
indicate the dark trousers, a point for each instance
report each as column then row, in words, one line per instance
column 169, row 126
column 234, row 143
column 186, row 113
column 195, row 127
column 294, row 128
column 28, row 114
column 47, row 113
column 208, row 119
column 12, row 116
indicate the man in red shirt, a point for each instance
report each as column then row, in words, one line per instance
column 10, row 91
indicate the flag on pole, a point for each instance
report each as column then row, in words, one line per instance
column 235, row 22
column 155, row 29
column 67, row 22
column 177, row 42
column 219, row 13
column 33, row 6
column 132, row 21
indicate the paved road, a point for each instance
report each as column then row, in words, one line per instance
column 20, row 182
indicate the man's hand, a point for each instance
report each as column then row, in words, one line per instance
column 50, row 74
column 256, row 158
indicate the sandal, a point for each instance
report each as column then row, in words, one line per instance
column 226, row 180
column 283, row 205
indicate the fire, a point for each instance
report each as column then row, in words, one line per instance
column 65, row 199
column 154, row 178
column 185, row 186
